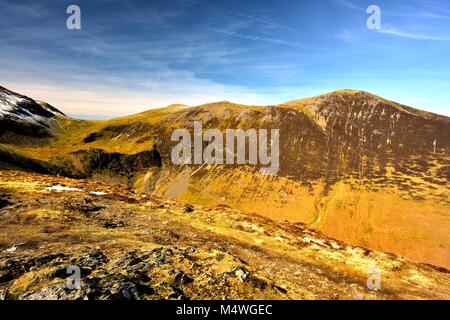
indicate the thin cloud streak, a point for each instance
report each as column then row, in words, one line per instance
column 350, row 5
column 409, row 35
column 406, row 13
column 262, row 39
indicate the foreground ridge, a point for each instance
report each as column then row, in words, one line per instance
column 134, row 246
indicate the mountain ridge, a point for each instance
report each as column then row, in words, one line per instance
column 294, row 102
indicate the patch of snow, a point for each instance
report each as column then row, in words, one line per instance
column 316, row 241
column 10, row 99
column 335, row 245
column 8, row 102
column 98, row 193
column 48, row 108
column 12, row 249
column 9, row 108
column 61, row 188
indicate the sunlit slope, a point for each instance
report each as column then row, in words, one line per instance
column 131, row 245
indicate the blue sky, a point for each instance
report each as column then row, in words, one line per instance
column 130, row 56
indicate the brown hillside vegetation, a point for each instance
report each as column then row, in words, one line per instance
column 131, row 245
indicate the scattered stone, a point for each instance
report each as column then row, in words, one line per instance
column 4, row 203
column 113, row 225
column 188, row 208
column 92, row 260
column 241, row 274
column 177, row 294
column 182, row 279
column 12, row 249
column 280, row 289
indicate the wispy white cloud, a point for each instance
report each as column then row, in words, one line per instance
column 411, row 35
column 428, row 15
column 30, row 10
column 404, row 11
column 252, row 27
column 350, row 5
column 262, row 39
column 261, row 22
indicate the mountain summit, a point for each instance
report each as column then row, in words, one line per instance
column 24, row 116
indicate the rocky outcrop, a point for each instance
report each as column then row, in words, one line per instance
column 117, row 163
column 128, row 276
column 137, row 129
column 87, row 162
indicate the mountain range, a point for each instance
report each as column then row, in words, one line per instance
column 356, row 167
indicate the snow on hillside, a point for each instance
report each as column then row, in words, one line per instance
column 18, row 108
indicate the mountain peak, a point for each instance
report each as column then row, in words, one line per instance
column 13, row 104
column 223, row 103
column 345, row 100
column 349, row 92
column 24, row 116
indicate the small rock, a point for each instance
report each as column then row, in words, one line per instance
column 176, row 294
column 182, row 279
column 12, row 249
column 5, row 203
column 188, row 208
column 126, row 294
column 241, row 274
column 281, row 290
column 113, row 225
